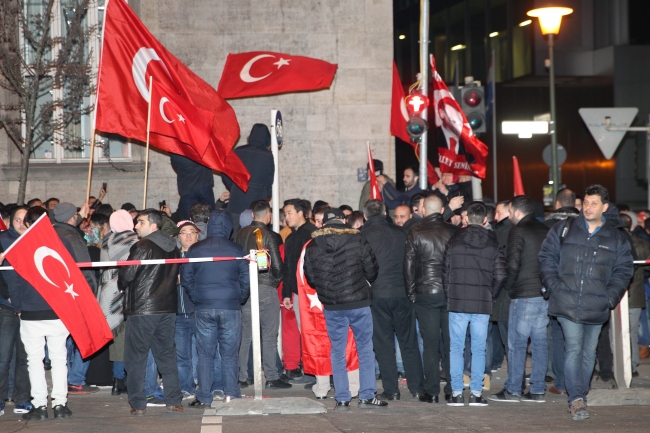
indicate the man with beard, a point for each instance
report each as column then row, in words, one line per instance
column 411, row 188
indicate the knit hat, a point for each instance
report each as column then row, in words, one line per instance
column 64, row 211
column 333, row 216
column 121, row 221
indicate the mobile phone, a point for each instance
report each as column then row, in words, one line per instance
column 105, row 186
column 162, row 203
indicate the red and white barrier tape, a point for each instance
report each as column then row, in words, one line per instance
column 149, row 262
column 642, row 262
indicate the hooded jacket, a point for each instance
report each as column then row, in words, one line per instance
column 474, row 270
column 74, row 241
column 258, row 160
column 387, row 244
column 587, row 274
column 560, row 215
column 150, row 289
column 217, row 285
column 340, row 265
column 271, row 241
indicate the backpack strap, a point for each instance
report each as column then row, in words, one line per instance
column 565, row 229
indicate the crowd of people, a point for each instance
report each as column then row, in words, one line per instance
column 434, row 287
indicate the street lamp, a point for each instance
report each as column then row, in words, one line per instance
column 550, row 19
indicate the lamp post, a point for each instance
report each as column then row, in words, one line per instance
column 550, row 19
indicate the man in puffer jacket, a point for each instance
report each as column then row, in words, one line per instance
column 218, row 290
column 340, row 265
column 473, row 273
column 585, row 267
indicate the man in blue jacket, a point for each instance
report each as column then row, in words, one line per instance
column 218, row 290
column 585, row 267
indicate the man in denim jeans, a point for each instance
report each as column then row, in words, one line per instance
column 585, row 268
column 472, row 275
column 528, row 316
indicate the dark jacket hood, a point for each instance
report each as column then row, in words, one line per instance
column 562, row 213
column 162, row 239
column 219, row 224
column 333, row 238
column 476, row 236
column 260, row 136
column 613, row 215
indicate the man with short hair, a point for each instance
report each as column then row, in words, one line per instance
column 585, row 267
column 318, row 214
column 392, row 197
column 150, row 307
column 35, row 202
column 528, row 316
column 51, row 203
column 564, row 207
column 392, row 313
column 402, row 215
column 257, row 236
column 473, row 272
column 416, row 205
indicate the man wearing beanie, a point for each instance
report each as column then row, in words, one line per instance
column 66, row 219
column 339, row 264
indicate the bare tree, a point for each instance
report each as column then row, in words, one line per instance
column 33, row 64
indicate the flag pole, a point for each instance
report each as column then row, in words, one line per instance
column 494, row 126
column 146, row 158
column 90, row 164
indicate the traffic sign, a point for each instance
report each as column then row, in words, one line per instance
column 608, row 140
column 561, row 155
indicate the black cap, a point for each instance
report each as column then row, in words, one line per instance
column 333, row 215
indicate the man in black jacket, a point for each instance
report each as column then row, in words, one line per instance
column 194, row 182
column 423, row 260
column 339, row 264
column 528, row 316
column 585, row 272
column 473, row 273
column 501, row 305
column 392, row 313
column 150, row 304
column 257, row 236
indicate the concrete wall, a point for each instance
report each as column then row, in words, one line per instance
column 325, row 131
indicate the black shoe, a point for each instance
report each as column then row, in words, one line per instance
column 389, row 396
column 456, row 401
column 371, row 403
column 36, row 414
column 294, row 374
column 285, row 378
column 435, row 399
column 118, row 386
column 47, row 365
column 277, row 384
column 196, row 404
column 505, row 396
column 549, row 379
column 447, row 398
column 635, row 374
column 477, row 400
column 424, row 397
column 322, row 398
column 400, row 375
column 250, row 381
column 243, row 384
column 62, row 411
column 342, row 406
column 533, row 398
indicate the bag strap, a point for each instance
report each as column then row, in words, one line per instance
column 565, row 229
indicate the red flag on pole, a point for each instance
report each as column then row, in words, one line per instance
column 519, row 185
column 398, row 118
column 40, row 258
column 129, row 55
column 313, row 330
column 462, row 152
column 260, row 73
column 375, row 194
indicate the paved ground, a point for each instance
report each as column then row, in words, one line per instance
column 101, row 412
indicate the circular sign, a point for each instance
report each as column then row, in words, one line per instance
column 279, row 130
column 561, row 155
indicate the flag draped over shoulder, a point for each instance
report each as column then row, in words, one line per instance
column 313, row 330
column 129, row 55
column 462, row 152
column 42, row 260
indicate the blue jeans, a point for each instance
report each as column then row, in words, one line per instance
column 579, row 356
column 338, row 322
column 218, row 330
column 478, row 329
column 77, row 367
column 151, row 385
column 118, row 370
column 489, row 350
column 528, row 318
column 187, row 357
column 203, row 195
column 398, row 357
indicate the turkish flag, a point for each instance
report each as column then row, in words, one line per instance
column 516, row 174
column 374, row 188
column 172, row 116
column 462, row 152
column 313, row 330
column 398, row 118
column 40, row 258
column 260, row 73
column 129, row 55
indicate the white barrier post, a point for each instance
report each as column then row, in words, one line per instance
column 255, row 325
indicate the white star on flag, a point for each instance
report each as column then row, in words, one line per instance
column 314, row 301
column 181, row 118
column 70, row 290
column 282, row 62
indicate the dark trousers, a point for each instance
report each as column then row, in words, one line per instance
column 558, row 354
column 395, row 316
column 203, row 195
column 604, row 354
column 10, row 338
column 155, row 332
column 434, row 324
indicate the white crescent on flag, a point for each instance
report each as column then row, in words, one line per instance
column 139, row 69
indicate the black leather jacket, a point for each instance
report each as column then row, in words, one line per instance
column 150, row 289
column 423, row 257
column 271, row 241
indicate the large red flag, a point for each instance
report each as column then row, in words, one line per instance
column 172, row 116
column 398, row 118
column 260, row 73
column 40, row 258
column 130, row 54
column 375, row 194
column 519, row 185
column 313, row 330
column 462, row 153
